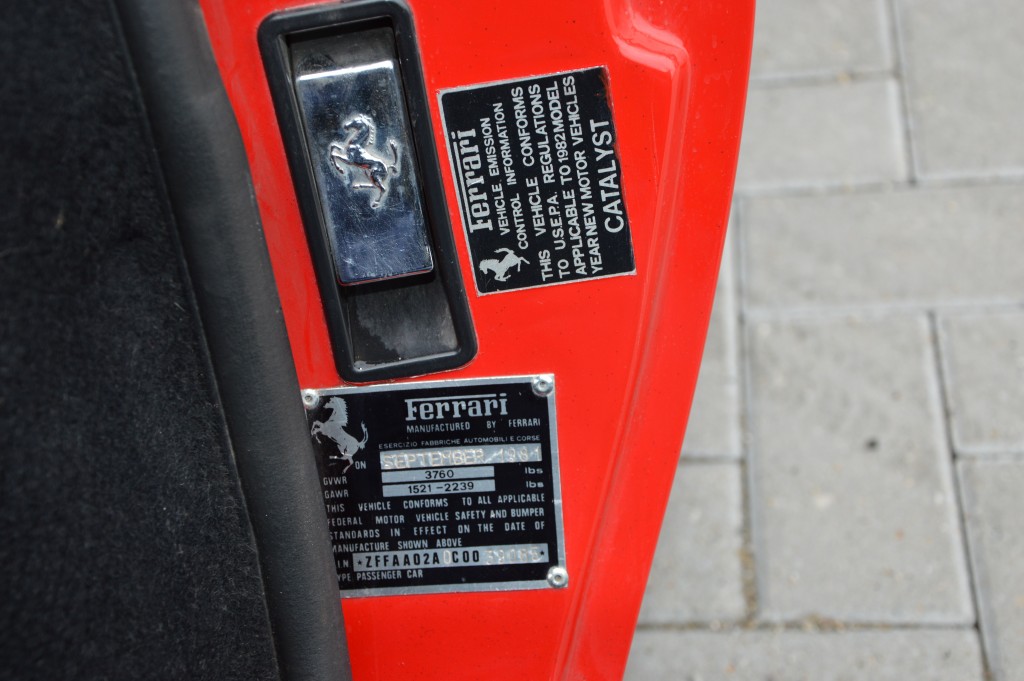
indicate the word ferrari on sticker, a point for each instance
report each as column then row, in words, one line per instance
column 539, row 180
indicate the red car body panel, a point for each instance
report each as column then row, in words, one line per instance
column 625, row 350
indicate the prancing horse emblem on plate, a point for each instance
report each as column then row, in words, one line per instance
column 357, row 157
column 334, row 430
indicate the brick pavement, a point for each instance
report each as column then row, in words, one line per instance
column 850, row 503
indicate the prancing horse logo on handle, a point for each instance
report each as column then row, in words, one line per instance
column 357, row 155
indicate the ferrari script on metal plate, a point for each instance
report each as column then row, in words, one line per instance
column 441, row 486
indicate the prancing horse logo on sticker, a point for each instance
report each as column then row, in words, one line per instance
column 357, row 155
column 501, row 267
column 334, row 430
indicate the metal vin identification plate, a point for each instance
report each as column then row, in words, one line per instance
column 441, row 486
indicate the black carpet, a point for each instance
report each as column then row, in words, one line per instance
column 126, row 551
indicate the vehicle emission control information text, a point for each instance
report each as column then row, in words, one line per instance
column 440, row 486
column 539, row 179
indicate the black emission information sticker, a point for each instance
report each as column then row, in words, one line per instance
column 441, row 486
column 539, row 180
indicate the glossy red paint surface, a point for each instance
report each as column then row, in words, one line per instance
column 625, row 350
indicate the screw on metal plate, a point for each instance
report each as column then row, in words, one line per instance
column 558, row 577
column 310, row 398
column 543, row 386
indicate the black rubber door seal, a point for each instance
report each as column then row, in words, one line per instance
column 210, row 190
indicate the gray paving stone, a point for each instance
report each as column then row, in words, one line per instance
column 950, row 245
column 984, row 358
column 696, row 575
column 815, row 135
column 806, row 37
column 854, row 514
column 713, row 429
column 963, row 62
column 805, row 656
column 994, row 509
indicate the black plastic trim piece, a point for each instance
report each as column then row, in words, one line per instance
column 207, row 177
column 274, row 34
